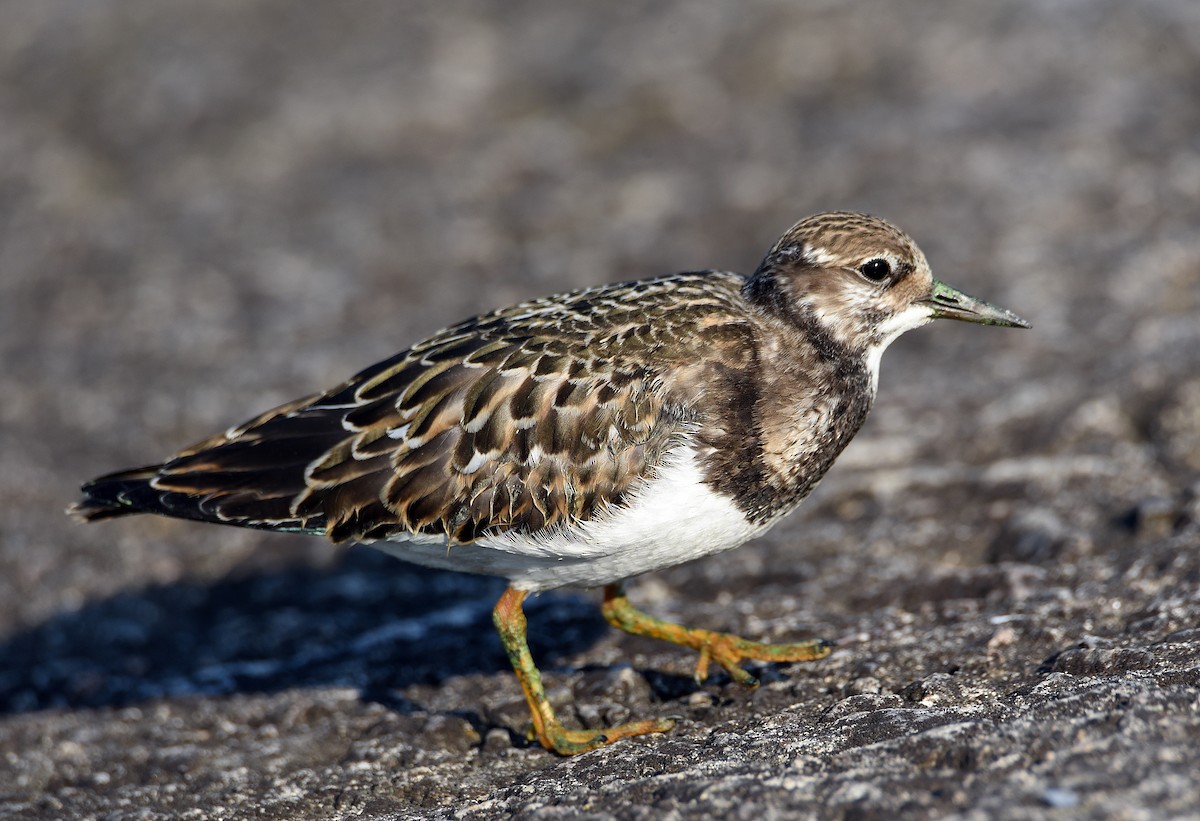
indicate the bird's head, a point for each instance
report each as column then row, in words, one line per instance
column 860, row 282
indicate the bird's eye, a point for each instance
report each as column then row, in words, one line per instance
column 876, row 270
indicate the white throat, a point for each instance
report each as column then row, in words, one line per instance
column 912, row 317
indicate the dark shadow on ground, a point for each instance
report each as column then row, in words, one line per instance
column 371, row 622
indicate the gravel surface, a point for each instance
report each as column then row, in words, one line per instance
column 207, row 209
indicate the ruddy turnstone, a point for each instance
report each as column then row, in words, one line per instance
column 584, row 438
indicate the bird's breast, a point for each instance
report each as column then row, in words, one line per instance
column 775, row 430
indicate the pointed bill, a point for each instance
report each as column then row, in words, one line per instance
column 950, row 303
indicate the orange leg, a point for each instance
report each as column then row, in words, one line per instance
column 511, row 624
column 725, row 649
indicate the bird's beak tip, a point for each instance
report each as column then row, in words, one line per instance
column 946, row 302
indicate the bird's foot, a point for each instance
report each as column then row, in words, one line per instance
column 512, row 626
column 555, row 737
column 729, row 651
column 725, row 649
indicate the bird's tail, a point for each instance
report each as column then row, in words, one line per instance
column 130, row 491
column 247, row 476
column 117, row 494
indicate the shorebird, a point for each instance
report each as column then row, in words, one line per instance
column 584, row 438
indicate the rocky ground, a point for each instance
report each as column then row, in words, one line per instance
column 206, row 209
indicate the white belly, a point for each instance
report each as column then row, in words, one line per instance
column 673, row 518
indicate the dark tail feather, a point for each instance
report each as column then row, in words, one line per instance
column 118, row 494
column 130, row 491
column 247, row 477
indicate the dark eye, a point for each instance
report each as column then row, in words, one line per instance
column 876, row 270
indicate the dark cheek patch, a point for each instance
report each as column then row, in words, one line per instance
column 915, row 285
column 902, row 272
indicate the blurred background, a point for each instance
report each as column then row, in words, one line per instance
column 207, row 209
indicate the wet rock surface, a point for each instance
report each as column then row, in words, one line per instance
column 211, row 209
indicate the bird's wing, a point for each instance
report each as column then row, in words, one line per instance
column 541, row 415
